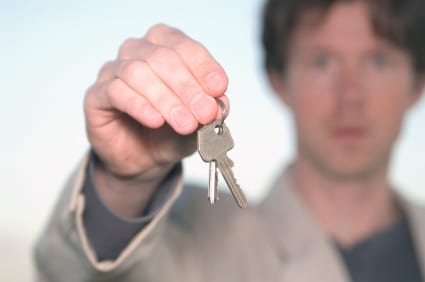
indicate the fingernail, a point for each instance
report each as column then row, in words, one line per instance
column 181, row 117
column 202, row 106
column 215, row 82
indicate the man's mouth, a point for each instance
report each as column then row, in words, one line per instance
column 349, row 133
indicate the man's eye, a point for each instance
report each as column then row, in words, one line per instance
column 321, row 61
column 380, row 60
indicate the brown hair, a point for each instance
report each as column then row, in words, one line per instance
column 401, row 22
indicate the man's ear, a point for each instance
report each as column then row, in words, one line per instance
column 419, row 89
column 276, row 81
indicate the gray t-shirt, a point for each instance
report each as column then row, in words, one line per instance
column 388, row 256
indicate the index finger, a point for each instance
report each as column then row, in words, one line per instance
column 207, row 71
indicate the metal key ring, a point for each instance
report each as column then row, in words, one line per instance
column 223, row 110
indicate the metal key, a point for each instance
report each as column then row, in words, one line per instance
column 214, row 141
column 212, row 184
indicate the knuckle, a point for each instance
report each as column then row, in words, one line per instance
column 93, row 96
column 184, row 43
column 162, row 55
column 105, row 71
column 163, row 32
column 201, row 61
column 198, row 54
column 113, row 89
column 188, row 90
column 132, row 71
column 177, row 34
column 124, row 51
column 134, row 104
column 131, row 102
column 164, row 101
column 89, row 94
column 156, row 29
column 118, row 98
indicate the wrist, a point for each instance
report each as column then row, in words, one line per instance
column 127, row 196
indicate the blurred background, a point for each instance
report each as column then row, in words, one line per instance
column 51, row 52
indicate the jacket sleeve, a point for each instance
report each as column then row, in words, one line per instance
column 63, row 251
column 109, row 233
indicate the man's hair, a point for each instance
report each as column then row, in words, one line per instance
column 401, row 22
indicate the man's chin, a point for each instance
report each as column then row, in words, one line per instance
column 352, row 165
column 352, row 172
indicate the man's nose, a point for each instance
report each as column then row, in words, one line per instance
column 349, row 92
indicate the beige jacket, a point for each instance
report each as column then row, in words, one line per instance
column 189, row 240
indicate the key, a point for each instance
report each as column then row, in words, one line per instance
column 213, row 177
column 214, row 141
column 212, row 184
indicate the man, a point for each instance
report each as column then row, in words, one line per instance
column 348, row 70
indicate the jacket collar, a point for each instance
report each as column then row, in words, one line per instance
column 307, row 254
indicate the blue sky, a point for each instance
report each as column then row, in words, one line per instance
column 51, row 52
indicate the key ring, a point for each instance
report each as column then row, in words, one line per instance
column 223, row 111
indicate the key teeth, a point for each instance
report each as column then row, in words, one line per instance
column 243, row 205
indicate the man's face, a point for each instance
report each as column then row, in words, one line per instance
column 348, row 90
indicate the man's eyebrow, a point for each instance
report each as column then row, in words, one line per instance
column 383, row 46
column 314, row 49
